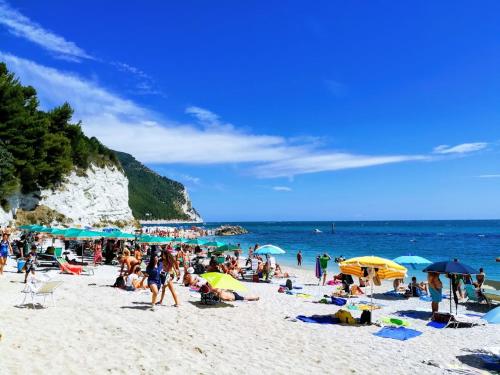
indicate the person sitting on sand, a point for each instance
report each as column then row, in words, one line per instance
column 212, row 265
column 129, row 261
column 355, row 290
column 133, row 280
column 193, row 280
column 480, row 279
column 279, row 273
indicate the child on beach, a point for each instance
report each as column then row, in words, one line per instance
column 5, row 250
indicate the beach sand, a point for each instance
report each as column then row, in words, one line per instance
column 96, row 329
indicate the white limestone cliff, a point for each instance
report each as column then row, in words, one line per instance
column 188, row 209
column 99, row 195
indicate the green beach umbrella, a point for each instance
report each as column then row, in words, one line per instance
column 196, row 241
column 227, row 247
column 117, row 235
column 214, row 244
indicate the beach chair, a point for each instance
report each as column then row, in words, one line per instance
column 44, row 290
column 73, row 269
column 252, row 274
column 475, row 295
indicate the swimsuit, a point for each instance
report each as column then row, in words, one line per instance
column 155, row 276
column 436, row 294
column 4, row 249
column 237, row 297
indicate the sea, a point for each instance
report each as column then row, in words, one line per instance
column 474, row 242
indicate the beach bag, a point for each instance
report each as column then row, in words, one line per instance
column 209, row 298
column 289, row 284
column 281, row 289
column 345, row 316
column 338, row 301
column 199, row 269
column 119, row 282
column 366, row 317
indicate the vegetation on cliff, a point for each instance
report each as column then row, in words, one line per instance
column 152, row 196
column 38, row 148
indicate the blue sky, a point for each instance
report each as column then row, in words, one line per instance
column 282, row 110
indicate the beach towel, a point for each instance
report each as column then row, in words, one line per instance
column 339, row 301
column 437, row 325
column 393, row 293
column 429, row 298
column 319, row 319
column 397, row 333
column 363, row 307
column 394, row 322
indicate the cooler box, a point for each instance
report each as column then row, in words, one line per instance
column 20, row 265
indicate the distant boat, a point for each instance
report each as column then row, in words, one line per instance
column 317, row 231
column 413, row 240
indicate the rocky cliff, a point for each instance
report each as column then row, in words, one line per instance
column 96, row 196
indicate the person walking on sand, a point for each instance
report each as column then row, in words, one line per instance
column 169, row 266
column 153, row 273
column 299, row 258
column 435, row 290
column 323, row 262
column 5, row 251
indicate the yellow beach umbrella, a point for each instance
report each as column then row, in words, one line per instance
column 386, row 268
column 223, row 281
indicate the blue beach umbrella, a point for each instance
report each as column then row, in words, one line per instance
column 452, row 267
column 269, row 250
column 493, row 316
column 412, row 260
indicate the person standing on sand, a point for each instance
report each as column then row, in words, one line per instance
column 5, row 251
column 153, row 273
column 323, row 262
column 435, row 290
column 299, row 258
column 169, row 265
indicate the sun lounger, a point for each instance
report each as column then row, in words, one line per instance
column 73, row 269
column 475, row 295
column 43, row 290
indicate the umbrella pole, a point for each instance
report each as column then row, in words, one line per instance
column 450, row 297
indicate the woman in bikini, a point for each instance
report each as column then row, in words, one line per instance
column 169, row 266
column 5, row 251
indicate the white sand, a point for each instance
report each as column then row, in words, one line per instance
column 96, row 329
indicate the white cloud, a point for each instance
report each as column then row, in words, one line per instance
column 21, row 26
column 123, row 125
column 489, row 176
column 282, row 188
column 326, row 162
column 463, row 148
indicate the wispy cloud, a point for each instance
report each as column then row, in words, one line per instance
column 124, row 125
column 489, row 176
column 21, row 26
column 282, row 188
column 144, row 83
column 463, row 148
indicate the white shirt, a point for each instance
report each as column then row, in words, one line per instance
column 130, row 279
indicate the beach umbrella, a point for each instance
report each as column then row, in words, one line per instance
column 227, row 247
column 269, row 250
column 118, row 235
column 493, row 316
column 451, row 268
column 412, row 260
column 196, row 241
column 319, row 271
column 214, row 244
column 223, row 281
column 386, row 269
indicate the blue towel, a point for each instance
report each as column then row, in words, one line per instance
column 429, row 299
column 437, row 325
column 397, row 333
column 320, row 319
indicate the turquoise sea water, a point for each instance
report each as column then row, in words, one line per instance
column 475, row 242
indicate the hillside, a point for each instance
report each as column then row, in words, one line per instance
column 38, row 149
column 152, row 196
